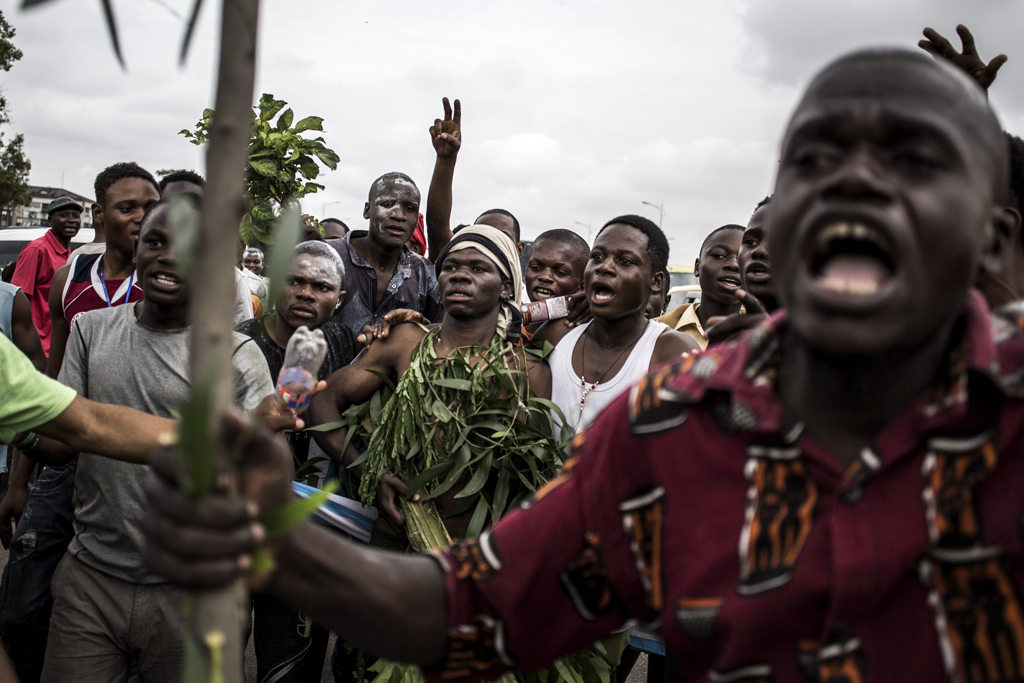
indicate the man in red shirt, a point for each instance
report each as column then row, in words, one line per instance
column 835, row 496
column 41, row 258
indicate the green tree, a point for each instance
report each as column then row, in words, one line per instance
column 14, row 165
column 282, row 163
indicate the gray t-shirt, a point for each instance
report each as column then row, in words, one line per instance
column 112, row 358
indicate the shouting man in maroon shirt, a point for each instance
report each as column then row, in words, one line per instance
column 834, row 496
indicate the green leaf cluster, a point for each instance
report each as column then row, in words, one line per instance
column 14, row 165
column 282, row 166
column 466, row 417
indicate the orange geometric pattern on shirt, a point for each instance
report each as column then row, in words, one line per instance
column 472, row 650
column 784, row 500
column 470, row 562
column 952, row 483
column 648, row 389
column 645, row 529
column 983, row 619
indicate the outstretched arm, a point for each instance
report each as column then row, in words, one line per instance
column 91, row 427
column 937, row 46
column 446, row 137
column 357, row 382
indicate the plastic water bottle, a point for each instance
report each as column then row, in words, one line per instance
column 302, row 361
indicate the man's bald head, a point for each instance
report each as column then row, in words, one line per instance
column 898, row 74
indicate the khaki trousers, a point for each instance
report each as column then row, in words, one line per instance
column 99, row 622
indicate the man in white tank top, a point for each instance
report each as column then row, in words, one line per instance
column 592, row 364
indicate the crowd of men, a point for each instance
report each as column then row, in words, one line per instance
column 808, row 475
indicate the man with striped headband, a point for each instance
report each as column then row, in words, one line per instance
column 478, row 276
column 478, row 279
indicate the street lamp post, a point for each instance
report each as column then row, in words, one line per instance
column 661, row 211
column 587, row 226
column 323, row 209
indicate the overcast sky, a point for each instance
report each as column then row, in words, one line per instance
column 574, row 111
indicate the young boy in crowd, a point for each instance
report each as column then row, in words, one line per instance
column 658, row 303
column 627, row 262
column 90, row 281
column 108, row 606
column 554, row 267
column 754, row 262
column 719, row 275
column 835, row 493
column 381, row 273
column 285, row 650
column 758, row 293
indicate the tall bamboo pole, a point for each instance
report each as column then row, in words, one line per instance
column 212, row 310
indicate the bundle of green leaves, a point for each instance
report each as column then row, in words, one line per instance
column 282, row 163
column 468, row 412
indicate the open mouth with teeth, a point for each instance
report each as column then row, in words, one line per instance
column 601, row 293
column 543, row 293
column 167, row 280
column 851, row 258
column 729, row 281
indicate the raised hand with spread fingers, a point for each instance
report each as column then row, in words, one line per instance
column 937, row 46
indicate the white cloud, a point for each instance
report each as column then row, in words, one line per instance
column 574, row 110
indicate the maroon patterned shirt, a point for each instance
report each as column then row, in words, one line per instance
column 696, row 506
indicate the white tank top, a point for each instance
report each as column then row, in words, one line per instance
column 566, row 389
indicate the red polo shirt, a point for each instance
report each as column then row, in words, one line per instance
column 697, row 507
column 37, row 263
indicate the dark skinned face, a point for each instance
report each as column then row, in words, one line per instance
column 156, row 265
column 500, row 221
column 552, row 270
column 618, row 279
column 717, row 270
column 253, row 263
column 65, row 224
column 471, row 285
column 333, row 231
column 657, row 303
column 882, row 208
column 392, row 211
column 121, row 212
column 755, row 267
column 311, row 293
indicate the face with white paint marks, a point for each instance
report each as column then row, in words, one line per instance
column 311, row 293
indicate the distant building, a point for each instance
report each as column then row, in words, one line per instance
column 34, row 213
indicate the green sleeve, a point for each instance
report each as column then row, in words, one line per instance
column 30, row 398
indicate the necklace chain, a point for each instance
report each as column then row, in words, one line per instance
column 584, row 389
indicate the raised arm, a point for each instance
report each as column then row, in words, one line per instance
column 446, row 137
column 61, row 329
column 937, row 46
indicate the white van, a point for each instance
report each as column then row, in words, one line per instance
column 13, row 240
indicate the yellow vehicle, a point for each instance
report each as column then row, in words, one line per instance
column 683, row 286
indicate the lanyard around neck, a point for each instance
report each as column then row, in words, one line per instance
column 103, row 284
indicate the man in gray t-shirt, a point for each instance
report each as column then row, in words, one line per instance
column 107, row 604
